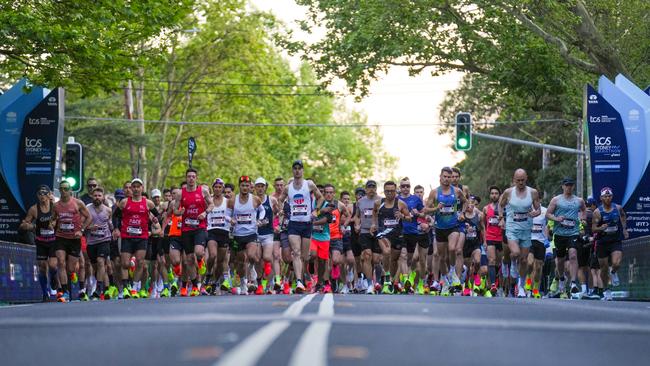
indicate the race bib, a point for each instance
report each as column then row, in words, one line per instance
column 568, row 223
column 537, row 228
column 179, row 224
column 611, row 229
column 493, row 221
column 98, row 232
column 218, row 221
column 471, row 234
column 318, row 228
column 447, row 210
column 390, row 222
column 367, row 212
column 66, row 227
column 520, row 216
column 134, row 230
column 244, row 219
column 47, row 232
column 191, row 222
column 333, row 219
column 299, row 210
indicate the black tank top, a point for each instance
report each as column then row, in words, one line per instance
column 43, row 230
column 386, row 216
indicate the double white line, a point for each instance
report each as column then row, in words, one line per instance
column 312, row 348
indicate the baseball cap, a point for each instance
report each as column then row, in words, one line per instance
column 606, row 191
column 43, row 188
column 297, row 162
column 568, row 181
column 155, row 193
column 137, row 180
column 359, row 190
column 371, row 183
column 218, row 181
column 260, row 180
column 591, row 201
column 119, row 194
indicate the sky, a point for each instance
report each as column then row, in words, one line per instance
column 395, row 98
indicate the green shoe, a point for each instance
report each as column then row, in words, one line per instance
column 165, row 293
column 264, row 283
column 143, row 294
column 225, row 285
column 412, row 277
column 126, row 293
column 83, row 296
column 386, row 289
column 170, row 275
column 420, row 290
column 554, row 286
column 114, row 292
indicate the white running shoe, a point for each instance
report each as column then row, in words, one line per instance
column 615, row 280
column 370, row 290
column 521, row 292
column 607, row 295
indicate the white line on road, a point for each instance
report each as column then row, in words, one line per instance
column 249, row 351
column 14, row 306
column 312, row 348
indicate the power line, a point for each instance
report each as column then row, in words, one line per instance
column 234, row 84
column 238, row 94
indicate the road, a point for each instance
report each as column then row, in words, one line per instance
column 318, row 330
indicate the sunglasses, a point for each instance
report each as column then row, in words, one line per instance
column 244, row 178
column 43, row 193
column 405, row 186
column 64, row 188
column 92, row 185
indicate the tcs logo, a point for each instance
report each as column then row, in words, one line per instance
column 33, row 142
column 602, row 141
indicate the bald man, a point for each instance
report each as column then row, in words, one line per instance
column 522, row 204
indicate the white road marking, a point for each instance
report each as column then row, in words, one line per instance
column 14, row 306
column 249, row 351
column 312, row 348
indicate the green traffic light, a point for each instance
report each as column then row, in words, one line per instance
column 72, row 181
column 463, row 142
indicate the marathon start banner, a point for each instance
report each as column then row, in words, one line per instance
column 617, row 118
column 31, row 137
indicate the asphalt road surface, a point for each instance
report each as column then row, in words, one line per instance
column 315, row 330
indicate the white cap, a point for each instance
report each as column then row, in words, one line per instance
column 261, row 180
column 155, row 193
column 137, row 180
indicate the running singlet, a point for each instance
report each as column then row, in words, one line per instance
column 69, row 218
column 613, row 232
column 194, row 204
column 300, row 203
column 446, row 217
column 217, row 218
column 386, row 218
column 335, row 225
column 322, row 232
column 267, row 224
column 44, row 233
column 473, row 229
column 412, row 202
column 101, row 219
column 517, row 218
column 568, row 208
column 366, row 206
column 492, row 230
column 135, row 220
column 245, row 216
column 286, row 210
column 538, row 226
column 175, row 225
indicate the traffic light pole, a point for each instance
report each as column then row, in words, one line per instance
column 563, row 149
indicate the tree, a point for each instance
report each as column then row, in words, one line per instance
column 84, row 45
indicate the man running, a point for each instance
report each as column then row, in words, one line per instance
column 340, row 215
column 414, row 238
column 71, row 217
column 610, row 226
column 388, row 214
column 98, row 237
column 493, row 236
column 299, row 192
column 218, row 238
column 567, row 210
column 39, row 220
column 194, row 206
column 539, row 238
column 522, row 205
column 472, row 219
column 367, row 239
column 137, row 212
column 265, row 235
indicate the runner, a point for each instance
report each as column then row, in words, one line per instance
column 357, row 281
column 71, row 217
column 91, row 184
column 472, row 219
column 414, row 238
column 340, row 216
column 388, row 213
column 443, row 201
column 367, row 240
column 567, row 210
column 39, row 220
column 539, row 239
column 265, row 236
column 176, row 248
column 218, row 239
column 299, row 192
column 137, row 212
column 493, row 236
column 99, row 237
column 245, row 208
column 194, row 205
column 610, row 226
column 320, row 242
column 594, row 266
column 522, row 205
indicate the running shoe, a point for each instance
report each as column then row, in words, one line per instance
column 195, row 291
column 277, row 284
column 607, row 295
column 170, row 275
column 493, row 290
column 408, row 287
column 554, row 286
column 420, row 288
column 575, row 292
column 378, row 287
column 126, row 293
column 327, row 289
column 593, row 295
column 202, row 268
column 300, row 288
column 235, row 291
column 62, row 297
column 445, row 290
column 165, row 292
column 615, row 280
column 563, row 295
column 95, row 296
column 345, row 290
column 83, row 296
column 370, row 290
column 174, row 288
column 467, row 291
column 143, row 294
column 204, row 291
column 536, row 294
column 487, row 294
column 183, row 291
column 107, row 294
column 529, row 284
column 251, row 288
column 134, row 294
column 286, row 288
column 317, row 288
column 521, row 293
column 225, row 285
column 259, row 290
column 386, row 290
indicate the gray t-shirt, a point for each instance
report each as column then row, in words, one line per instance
column 365, row 206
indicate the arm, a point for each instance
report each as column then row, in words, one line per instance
column 209, row 204
column 430, row 207
column 319, row 197
column 595, row 220
column 403, row 211
column 85, row 215
column 536, row 205
column 28, row 222
column 551, row 210
column 375, row 208
column 623, row 216
column 153, row 212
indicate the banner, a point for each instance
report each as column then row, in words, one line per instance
column 31, row 134
column 619, row 147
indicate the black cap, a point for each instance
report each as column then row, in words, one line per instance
column 43, row 187
column 568, row 181
column 371, row 183
column 297, row 162
column 359, row 190
column 119, row 194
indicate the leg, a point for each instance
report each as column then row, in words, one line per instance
column 295, row 242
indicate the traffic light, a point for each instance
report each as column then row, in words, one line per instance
column 74, row 172
column 463, row 131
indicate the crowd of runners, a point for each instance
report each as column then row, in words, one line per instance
column 216, row 239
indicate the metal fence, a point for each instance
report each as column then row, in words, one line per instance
column 635, row 269
column 18, row 273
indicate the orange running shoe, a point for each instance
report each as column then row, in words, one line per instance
column 286, row 289
column 184, row 291
column 259, row 290
column 195, row 291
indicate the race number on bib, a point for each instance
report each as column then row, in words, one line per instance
column 390, row 222
column 493, row 221
column 520, row 216
column 568, row 223
column 446, row 210
column 244, row 219
column 367, row 212
column 47, row 232
column 134, row 230
column 611, row 229
column 299, row 210
column 66, row 227
column 191, row 222
column 537, row 228
column 217, row 221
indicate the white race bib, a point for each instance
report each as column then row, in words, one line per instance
column 390, row 222
column 134, row 230
column 493, row 221
column 367, row 212
column 66, row 227
column 568, row 223
column 611, row 229
column 47, row 232
column 299, row 210
column 520, row 216
column 191, row 222
column 447, row 209
column 537, row 228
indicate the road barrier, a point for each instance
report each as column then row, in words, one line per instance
column 18, row 273
column 635, row 269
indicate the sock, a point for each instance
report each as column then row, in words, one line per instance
column 42, row 279
column 583, row 287
column 493, row 274
column 52, row 278
column 100, row 287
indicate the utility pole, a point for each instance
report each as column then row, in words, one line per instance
column 546, row 163
column 580, row 164
column 128, row 104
